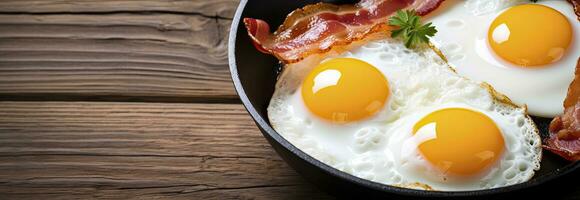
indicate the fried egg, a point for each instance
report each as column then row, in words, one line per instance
column 525, row 50
column 402, row 117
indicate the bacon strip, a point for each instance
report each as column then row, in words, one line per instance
column 319, row 27
column 564, row 138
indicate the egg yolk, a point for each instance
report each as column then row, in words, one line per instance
column 343, row 90
column 464, row 142
column 530, row 35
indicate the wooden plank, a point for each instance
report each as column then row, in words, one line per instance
column 220, row 8
column 139, row 150
column 115, row 55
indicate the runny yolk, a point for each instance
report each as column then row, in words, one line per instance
column 463, row 142
column 530, row 35
column 343, row 90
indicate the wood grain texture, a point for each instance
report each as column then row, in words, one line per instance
column 139, row 150
column 160, row 56
column 219, row 8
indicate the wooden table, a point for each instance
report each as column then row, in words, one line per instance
column 128, row 99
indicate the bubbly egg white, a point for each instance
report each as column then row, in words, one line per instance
column 420, row 82
column 462, row 36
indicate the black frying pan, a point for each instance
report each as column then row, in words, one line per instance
column 254, row 76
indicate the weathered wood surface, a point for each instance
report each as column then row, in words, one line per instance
column 139, row 150
column 210, row 8
column 165, row 57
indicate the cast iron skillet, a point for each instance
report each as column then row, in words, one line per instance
column 254, row 76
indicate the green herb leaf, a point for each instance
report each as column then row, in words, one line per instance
column 411, row 29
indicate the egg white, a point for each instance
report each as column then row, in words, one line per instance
column 420, row 82
column 462, row 36
column 516, row 164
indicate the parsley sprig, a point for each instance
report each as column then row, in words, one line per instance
column 411, row 30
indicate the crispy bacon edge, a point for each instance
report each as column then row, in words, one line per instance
column 265, row 42
column 564, row 137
